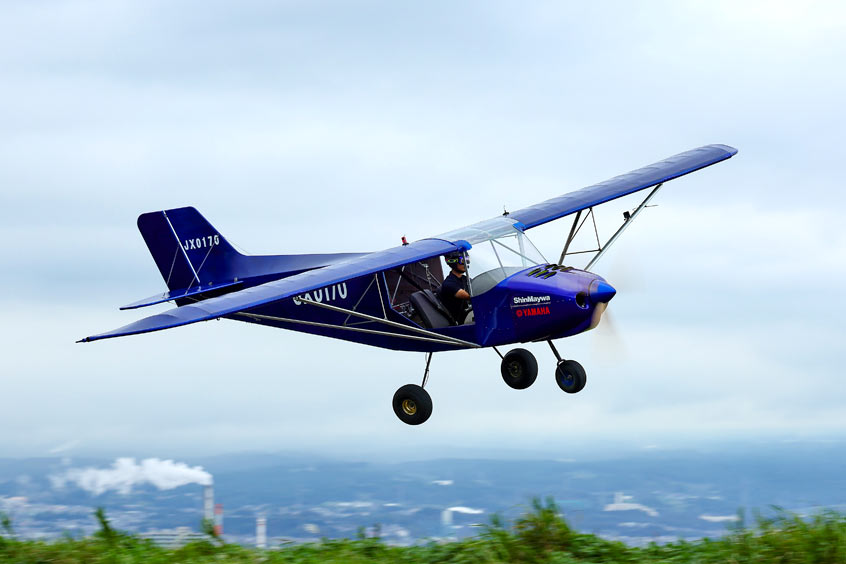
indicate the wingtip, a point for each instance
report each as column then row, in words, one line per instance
column 732, row 151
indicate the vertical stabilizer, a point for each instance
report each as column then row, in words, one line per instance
column 197, row 263
column 188, row 251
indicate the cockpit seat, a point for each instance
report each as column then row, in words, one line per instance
column 431, row 310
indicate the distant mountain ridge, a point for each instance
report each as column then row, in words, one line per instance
column 636, row 497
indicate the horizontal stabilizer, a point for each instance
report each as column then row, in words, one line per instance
column 196, row 293
column 171, row 318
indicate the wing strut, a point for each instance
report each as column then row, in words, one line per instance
column 574, row 230
column 570, row 237
column 439, row 340
column 446, row 339
column 628, row 220
column 600, row 250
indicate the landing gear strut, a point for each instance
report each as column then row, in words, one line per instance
column 569, row 374
column 413, row 404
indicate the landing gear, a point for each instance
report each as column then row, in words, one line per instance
column 519, row 368
column 413, row 404
column 569, row 374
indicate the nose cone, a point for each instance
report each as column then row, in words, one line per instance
column 601, row 291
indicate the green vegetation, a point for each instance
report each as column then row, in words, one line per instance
column 539, row 536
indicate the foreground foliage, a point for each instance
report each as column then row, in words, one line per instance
column 541, row 535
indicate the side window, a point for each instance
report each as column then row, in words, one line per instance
column 404, row 281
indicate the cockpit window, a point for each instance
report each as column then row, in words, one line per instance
column 482, row 231
column 496, row 259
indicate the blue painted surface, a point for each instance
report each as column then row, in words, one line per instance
column 524, row 308
column 640, row 179
column 196, row 292
column 521, row 308
column 601, row 291
column 366, row 294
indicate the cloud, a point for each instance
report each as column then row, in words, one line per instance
column 621, row 504
column 64, row 447
column 720, row 518
column 466, row 510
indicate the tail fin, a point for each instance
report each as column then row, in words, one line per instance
column 197, row 262
column 188, row 251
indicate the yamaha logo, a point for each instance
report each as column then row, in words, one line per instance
column 532, row 311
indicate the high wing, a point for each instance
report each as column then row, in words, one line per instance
column 263, row 294
column 619, row 186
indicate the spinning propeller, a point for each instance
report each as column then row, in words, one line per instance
column 627, row 276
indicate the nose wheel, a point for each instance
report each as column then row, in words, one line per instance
column 569, row 374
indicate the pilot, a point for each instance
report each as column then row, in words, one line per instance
column 454, row 292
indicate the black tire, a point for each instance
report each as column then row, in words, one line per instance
column 519, row 369
column 412, row 404
column 570, row 376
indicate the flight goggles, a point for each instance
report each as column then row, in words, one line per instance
column 457, row 259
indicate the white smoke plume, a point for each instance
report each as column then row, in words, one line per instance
column 126, row 473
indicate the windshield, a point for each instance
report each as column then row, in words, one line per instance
column 494, row 260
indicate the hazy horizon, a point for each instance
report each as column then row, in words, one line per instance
column 583, row 450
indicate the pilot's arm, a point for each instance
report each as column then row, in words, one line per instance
column 462, row 295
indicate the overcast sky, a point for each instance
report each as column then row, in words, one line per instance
column 300, row 127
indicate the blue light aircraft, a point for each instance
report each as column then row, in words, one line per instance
column 390, row 298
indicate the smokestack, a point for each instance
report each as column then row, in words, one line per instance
column 218, row 519
column 261, row 532
column 208, row 502
column 446, row 518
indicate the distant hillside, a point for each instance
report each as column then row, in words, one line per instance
column 541, row 535
column 636, row 497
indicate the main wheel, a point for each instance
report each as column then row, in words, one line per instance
column 412, row 404
column 570, row 376
column 519, row 369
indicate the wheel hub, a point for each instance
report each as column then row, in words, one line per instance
column 409, row 407
column 514, row 369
